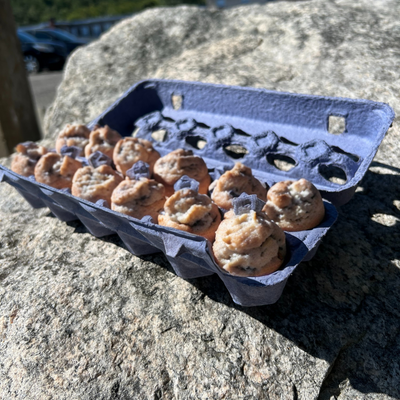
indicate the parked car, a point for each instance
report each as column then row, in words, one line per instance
column 70, row 41
column 39, row 54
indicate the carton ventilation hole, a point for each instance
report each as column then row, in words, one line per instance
column 160, row 135
column 201, row 125
column 287, row 141
column 281, row 162
column 197, row 142
column 235, row 151
column 333, row 174
column 354, row 157
column 168, row 119
column 177, row 101
column 136, row 130
column 241, row 133
column 336, row 124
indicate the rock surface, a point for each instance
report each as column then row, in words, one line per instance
column 81, row 318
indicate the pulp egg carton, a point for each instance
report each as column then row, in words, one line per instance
column 329, row 141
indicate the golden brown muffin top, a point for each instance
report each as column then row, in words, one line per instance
column 170, row 168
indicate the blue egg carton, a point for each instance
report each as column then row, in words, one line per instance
column 225, row 124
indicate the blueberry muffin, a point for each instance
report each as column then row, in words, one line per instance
column 26, row 158
column 233, row 183
column 129, row 151
column 249, row 244
column 102, row 139
column 94, row 184
column 73, row 135
column 56, row 171
column 170, row 168
column 191, row 212
column 295, row 205
column 139, row 197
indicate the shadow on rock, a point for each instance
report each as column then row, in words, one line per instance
column 343, row 305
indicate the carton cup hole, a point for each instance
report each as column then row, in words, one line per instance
column 333, row 174
column 159, row 135
column 197, row 142
column 354, row 157
column 135, row 131
column 281, row 162
column 235, row 151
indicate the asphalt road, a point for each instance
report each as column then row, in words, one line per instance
column 44, row 86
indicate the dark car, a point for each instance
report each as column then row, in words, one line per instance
column 70, row 41
column 39, row 54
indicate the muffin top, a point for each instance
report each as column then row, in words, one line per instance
column 295, row 205
column 170, row 168
column 249, row 244
column 233, row 183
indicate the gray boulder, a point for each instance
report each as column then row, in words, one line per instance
column 81, row 318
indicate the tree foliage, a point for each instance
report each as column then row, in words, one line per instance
column 28, row 12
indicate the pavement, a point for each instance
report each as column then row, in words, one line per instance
column 44, row 87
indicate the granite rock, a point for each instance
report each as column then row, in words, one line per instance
column 81, row 318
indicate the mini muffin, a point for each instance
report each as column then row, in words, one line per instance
column 295, row 205
column 170, row 168
column 249, row 244
column 56, row 171
column 233, row 183
column 94, row 184
column 102, row 139
column 129, row 151
column 138, row 198
column 73, row 135
column 191, row 212
column 26, row 158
